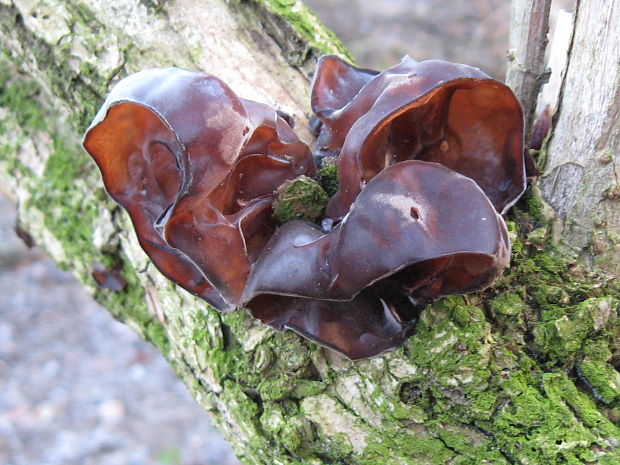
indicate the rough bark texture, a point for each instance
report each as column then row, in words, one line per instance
column 581, row 176
column 524, row 373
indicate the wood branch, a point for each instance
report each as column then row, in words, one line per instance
column 556, row 62
column 522, row 373
column 526, row 56
column 581, row 178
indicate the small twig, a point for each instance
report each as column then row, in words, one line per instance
column 529, row 25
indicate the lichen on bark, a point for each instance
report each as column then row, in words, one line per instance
column 525, row 372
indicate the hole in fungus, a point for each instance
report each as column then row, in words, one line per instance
column 201, row 196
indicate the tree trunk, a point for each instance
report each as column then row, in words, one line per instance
column 581, row 176
column 523, row 373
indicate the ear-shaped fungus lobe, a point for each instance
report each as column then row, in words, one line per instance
column 334, row 85
column 175, row 149
column 418, row 230
column 434, row 111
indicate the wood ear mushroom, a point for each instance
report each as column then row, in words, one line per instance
column 429, row 156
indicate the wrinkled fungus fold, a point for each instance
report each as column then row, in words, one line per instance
column 417, row 231
column 195, row 167
column 429, row 155
column 432, row 110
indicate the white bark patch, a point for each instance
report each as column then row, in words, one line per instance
column 254, row 72
column 402, row 368
column 443, row 340
column 50, row 18
column 351, row 390
column 105, row 234
column 333, row 419
column 255, row 336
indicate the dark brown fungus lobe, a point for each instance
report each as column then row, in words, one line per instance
column 24, row 235
column 195, row 167
column 541, row 128
column 417, row 231
column 433, row 111
column 108, row 279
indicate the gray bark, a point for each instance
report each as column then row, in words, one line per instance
column 581, row 173
column 524, row 373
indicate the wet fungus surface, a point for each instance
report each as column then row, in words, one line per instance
column 429, row 155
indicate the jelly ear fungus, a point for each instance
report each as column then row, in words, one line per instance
column 195, row 167
column 429, row 154
column 433, row 111
column 417, row 231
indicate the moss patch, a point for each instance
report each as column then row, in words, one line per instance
column 521, row 373
column 328, row 176
column 68, row 214
column 20, row 96
column 297, row 31
column 301, row 198
column 307, row 25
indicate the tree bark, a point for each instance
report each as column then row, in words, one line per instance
column 581, row 172
column 522, row 373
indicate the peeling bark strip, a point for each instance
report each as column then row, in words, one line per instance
column 526, row 56
column 525, row 373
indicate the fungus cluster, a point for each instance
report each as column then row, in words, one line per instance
column 429, row 155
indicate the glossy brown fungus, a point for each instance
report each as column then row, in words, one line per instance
column 195, row 167
column 432, row 110
column 111, row 279
column 417, row 231
column 428, row 156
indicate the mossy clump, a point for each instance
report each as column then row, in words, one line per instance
column 602, row 379
column 328, row 175
column 301, row 198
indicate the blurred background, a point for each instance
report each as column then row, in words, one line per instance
column 380, row 33
column 76, row 387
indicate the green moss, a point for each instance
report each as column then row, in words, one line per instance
column 55, row 62
column 301, row 198
column 296, row 26
column 453, row 343
column 411, row 450
column 558, row 419
column 535, row 207
column 603, row 379
column 547, row 295
column 68, row 216
column 328, row 176
column 499, row 389
column 206, row 332
column 21, row 107
column 562, row 331
column 246, row 410
column 130, row 307
column 508, row 304
column 20, row 96
column 470, row 447
column 286, row 427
